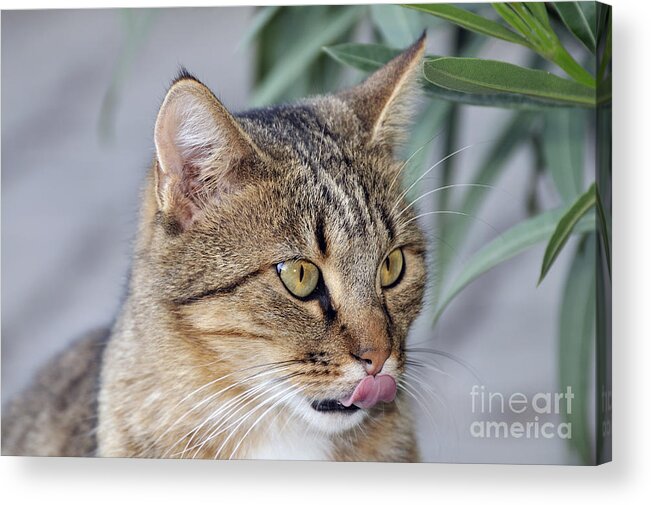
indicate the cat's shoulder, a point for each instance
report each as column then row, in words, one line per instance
column 56, row 415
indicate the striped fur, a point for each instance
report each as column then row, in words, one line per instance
column 211, row 356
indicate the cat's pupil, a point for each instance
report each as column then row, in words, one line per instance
column 386, row 264
column 300, row 274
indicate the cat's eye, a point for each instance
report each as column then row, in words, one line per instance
column 300, row 277
column 391, row 268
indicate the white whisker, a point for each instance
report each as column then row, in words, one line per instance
column 449, row 186
column 410, row 158
column 291, row 394
column 405, row 192
column 249, row 414
column 453, row 212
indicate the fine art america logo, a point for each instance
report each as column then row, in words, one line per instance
column 537, row 414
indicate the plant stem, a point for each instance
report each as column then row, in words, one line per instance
column 608, row 46
column 565, row 61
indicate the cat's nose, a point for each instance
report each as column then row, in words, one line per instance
column 373, row 359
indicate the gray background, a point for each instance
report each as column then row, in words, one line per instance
column 69, row 203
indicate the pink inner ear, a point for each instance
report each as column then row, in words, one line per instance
column 186, row 139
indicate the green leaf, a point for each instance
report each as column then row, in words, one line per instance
column 543, row 40
column 605, row 28
column 369, row 57
column 510, row 243
column 563, row 150
column 302, row 53
column 565, row 227
column 470, row 21
column 575, row 345
column 513, row 19
column 577, row 22
column 590, row 12
column 605, row 91
column 399, row 27
column 486, row 77
column 604, row 228
column 540, row 11
column 262, row 17
column 365, row 57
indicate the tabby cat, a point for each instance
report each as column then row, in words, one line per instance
column 276, row 273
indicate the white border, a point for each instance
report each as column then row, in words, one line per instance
column 59, row 480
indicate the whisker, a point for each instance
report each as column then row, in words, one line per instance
column 261, row 391
column 451, row 357
column 442, row 188
column 405, row 192
column 457, row 213
column 279, row 363
column 411, row 157
column 246, row 416
column 403, row 386
column 421, row 379
column 242, row 399
column 293, row 392
column 211, row 397
column 429, row 366
column 230, row 409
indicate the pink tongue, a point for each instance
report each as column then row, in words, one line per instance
column 372, row 390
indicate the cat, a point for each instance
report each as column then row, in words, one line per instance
column 276, row 273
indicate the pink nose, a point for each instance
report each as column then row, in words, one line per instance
column 373, row 359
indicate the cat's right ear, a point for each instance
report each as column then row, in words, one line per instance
column 384, row 102
column 199, row 148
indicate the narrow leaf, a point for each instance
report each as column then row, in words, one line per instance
column 508, row 14
column 470, row 21
column 262, row 17
column 546, row 38
column 604, row 228
column 590, row 12
column 364, row 57
column 576, row 21
column 540, row 11
column 369, row 57
column 563, row 151
column 605, row 91
column 576, row 344
column 486, row 77
column 302, row 54
column 565, row 227
column 509, row 244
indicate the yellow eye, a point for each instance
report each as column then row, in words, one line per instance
column 300, row 277
column 391, row 268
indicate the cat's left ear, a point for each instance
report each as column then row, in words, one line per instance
column 383, row 102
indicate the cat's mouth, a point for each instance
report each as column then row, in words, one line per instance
column 328, row 406
column 369, row 392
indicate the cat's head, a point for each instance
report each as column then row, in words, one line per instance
column 277, row 241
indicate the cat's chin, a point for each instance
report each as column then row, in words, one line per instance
column 326, row 416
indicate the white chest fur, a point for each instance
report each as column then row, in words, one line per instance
column 292, row 444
